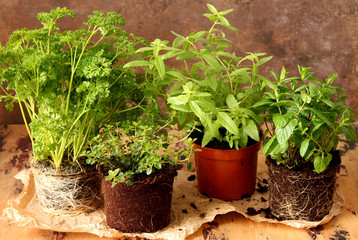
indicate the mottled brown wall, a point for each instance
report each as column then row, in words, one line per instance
column 322, row 34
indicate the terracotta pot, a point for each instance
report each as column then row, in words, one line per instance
column 226, row 174
column 141, row 207
column 301, row 194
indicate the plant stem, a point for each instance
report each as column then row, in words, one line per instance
column 26, row 123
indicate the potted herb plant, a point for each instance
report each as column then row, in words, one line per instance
column 69, row 82
column 137, row 167
column 212, row 94
column 305, row 117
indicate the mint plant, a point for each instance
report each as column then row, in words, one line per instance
column 214, row 89
column 69, row 82
column 304, row 118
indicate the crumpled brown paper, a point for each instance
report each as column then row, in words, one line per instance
column 190, row 210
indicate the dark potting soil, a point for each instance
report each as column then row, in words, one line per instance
column 141, row 207
column 252, row 212
column 262, row 188
column 216, row 144
column 302, row 194
column 191, row 178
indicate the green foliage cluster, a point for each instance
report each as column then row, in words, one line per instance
column 214, row 89
column 128, row 149
column 76, row 84
column 69, row 82
column 304, row 117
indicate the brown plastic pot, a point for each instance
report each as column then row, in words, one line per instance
column 142, row 207
column 226, row 174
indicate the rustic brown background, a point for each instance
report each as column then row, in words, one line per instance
column 321, row 34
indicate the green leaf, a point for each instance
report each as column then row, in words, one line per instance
column 206, row 138
column 179, row 41
column 169, row 54
column 208, row 106
column 226, row 12
column 264, row 60
column 287, row 103
column 232, row 102
column 239, row 71
column 212, row 81
column 109, row 177
column 299, row 88
column 303, row 71
column 212, row 8
column 272, row 147
column 225, row 120
column 321, row 116
column 212, row 62
column 314, row 90
column 304, row 146
column 178, row 100
column 311, row 149
column 182, row 116
column 242, row 140
column 148, row 171
column 250, row 128
column 160, row 66
column 188, row 87
column 186, row 55
column 331, row 78
column 224, row 20
column 321, row 162
column 305, row 97
column 189, row 165
column 276, row 76
column 138, row 63
column 328, row 102
column 203, row 117
column 262, row 104
column 283, row 134
column 280, row 120
column 283, row 74
column 180, row 107
column 251, row 113
column 177, row 74
column 349, row 133
column 225, row 54
column 144, row 49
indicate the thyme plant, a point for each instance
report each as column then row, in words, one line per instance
column 127, row 150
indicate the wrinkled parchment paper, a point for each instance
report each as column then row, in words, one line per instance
column 190, row 210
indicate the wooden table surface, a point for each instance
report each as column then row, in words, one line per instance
column 231, row 226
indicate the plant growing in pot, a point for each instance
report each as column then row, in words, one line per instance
column 137, row 166
column 68, row 82
column 305, row 117
column 213, row 94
